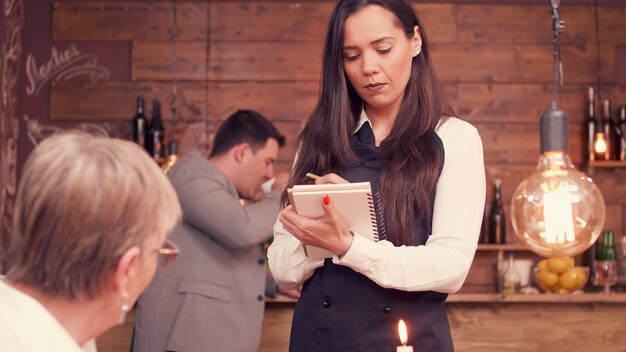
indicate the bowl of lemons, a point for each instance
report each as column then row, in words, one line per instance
column 560, row 275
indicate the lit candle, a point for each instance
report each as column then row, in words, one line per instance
column 403, row 338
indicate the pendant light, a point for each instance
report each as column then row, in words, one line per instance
column 558, row 210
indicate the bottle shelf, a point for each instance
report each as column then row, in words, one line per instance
column 502, row 247
column 606, row 164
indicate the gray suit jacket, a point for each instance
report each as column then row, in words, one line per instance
column 212, row 297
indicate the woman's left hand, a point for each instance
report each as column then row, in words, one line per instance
column 329, row 232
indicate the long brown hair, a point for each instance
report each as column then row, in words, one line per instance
column 410, row 152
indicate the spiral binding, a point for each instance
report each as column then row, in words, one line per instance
column 376, row 214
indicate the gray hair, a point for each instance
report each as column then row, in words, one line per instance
column 84, row 200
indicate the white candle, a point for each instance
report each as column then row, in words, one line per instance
column 403, row 338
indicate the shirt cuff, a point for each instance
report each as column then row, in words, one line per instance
column 360, row 254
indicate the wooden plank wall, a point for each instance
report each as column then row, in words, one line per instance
column 495, row 62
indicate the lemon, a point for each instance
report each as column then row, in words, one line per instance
column 569, row 280
column 581, row 275
column 560, row 265
column 542, row 265
column 548, row 278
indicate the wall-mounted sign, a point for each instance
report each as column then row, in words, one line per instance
column 63, row 65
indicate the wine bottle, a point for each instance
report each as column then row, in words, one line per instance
column 606, row 262
column 606, row 250
column 154, row 136
column 172, row 156
column 590, row 124
column 609, row 129
column 621, row 128
column 497, row 220
column 140, row 124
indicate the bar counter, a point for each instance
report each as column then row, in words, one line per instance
column 479, row 322
column 500, row 323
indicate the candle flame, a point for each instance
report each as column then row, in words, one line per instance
column 402, row 332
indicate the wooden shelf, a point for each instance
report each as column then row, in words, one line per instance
column 538, row 298
column 614, row 298
column 606, row 164
column 502, row 247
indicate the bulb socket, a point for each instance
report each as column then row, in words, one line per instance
column 553, row 129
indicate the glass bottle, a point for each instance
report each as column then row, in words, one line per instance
column 497, row 219
column 606, row 262
column 621, row 129
column 512, row 279
column 154, row 136
column 172, row 156
column 140, row 124
column 609, row 129
column 590, row 124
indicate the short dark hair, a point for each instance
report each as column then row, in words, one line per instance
column 245, row 126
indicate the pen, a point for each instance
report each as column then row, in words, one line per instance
column 312, row 176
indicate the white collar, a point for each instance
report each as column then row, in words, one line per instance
column 362, row 120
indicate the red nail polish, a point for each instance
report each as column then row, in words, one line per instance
column 326, row 199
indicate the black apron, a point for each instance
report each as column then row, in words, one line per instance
column 341, row 310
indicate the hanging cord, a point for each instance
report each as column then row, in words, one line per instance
column 598, row 68
column 174, row 82
column 553, row 121
column 557, row 27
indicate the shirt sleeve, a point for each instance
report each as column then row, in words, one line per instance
column 443, row 262
column 229, row 223
column 287, row 260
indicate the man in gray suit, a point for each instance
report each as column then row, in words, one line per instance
column 212, row 297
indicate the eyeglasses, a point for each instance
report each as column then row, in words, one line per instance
column 167, row 253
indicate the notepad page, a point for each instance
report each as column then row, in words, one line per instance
column 353, row 205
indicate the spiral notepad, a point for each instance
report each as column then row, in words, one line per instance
column 357, row 203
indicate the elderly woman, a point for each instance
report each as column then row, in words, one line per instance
column 90, row 225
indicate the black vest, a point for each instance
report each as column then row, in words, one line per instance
column 341, row 310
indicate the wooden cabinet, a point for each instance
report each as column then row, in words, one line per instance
column 493, row 322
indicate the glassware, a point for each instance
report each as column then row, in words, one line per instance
column 606, row 263
column 512, row 278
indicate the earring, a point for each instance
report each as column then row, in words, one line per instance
column 125, row 307
column 417, row 51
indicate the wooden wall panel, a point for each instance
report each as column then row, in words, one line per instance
column 297, row 99
column 267, row 61
column 455, row 62
column 512, row 62
column 477, row 327
column 480, row 23
column 153, row 61
column 495, row 62
column 517, row 142
column 113, row 21
column 612, row 183
column 116, row 100
column 283, row 22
